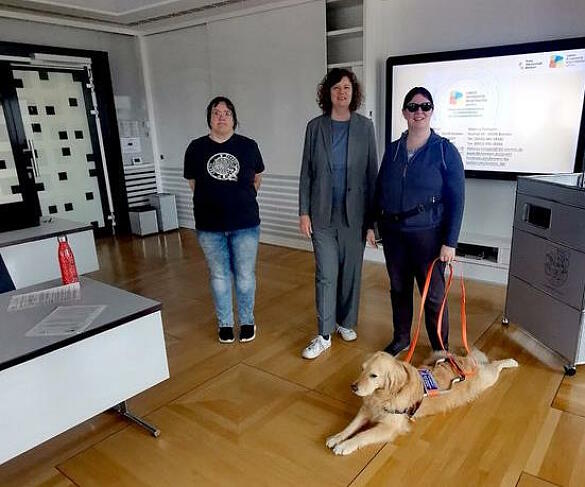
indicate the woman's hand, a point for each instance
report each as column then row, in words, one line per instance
column 447, row 253
column 371, row 238
column 305, row 226
column 257, row 181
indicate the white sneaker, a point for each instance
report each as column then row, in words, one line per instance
column 347, row 334
column 317, row 346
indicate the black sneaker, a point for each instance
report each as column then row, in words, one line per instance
column 396, row 347
column 247, row 333
column 226, row 334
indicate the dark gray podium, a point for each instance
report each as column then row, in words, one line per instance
column 546, row 285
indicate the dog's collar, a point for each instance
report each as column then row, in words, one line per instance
column 410, row 412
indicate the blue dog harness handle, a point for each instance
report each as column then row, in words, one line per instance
column 429, row 383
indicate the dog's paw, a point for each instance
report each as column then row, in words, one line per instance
column 333, row 440
column 344, row 448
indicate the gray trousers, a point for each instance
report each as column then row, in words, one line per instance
column 339, row 253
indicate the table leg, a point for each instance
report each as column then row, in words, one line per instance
column 122, row 409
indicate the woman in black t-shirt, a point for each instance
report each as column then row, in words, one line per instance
column 223, row 169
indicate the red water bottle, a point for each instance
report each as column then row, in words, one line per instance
column 66, row 261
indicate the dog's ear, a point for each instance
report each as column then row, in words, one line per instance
column 387, row 380
column 395, row 377
column 389, row 376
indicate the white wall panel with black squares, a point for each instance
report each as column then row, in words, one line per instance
column 54, row 117
column 9, row 184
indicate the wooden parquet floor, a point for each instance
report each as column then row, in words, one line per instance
column 257, row 414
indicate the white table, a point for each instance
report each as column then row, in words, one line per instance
column 50, row 384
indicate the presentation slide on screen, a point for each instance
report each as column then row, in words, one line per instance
column 519, row 113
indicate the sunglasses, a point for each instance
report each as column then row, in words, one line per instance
column 427, row 106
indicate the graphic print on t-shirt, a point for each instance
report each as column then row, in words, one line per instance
column 223, row 166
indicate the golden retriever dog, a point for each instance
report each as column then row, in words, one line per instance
column 393, row 395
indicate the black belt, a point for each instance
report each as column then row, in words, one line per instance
column 403, row 215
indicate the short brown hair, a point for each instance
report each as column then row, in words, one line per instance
column 332, row 78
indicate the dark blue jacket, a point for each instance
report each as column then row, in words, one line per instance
column 434, row 171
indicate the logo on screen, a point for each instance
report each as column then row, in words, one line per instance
column 455, row 97
column 556, row 61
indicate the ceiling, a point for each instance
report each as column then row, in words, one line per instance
column 123, row 12
column 110, row 7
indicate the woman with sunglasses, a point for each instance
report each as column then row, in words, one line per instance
column 420, row 194
column 223, row 169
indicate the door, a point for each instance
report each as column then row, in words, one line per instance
column 56, row 108
column 19, row 205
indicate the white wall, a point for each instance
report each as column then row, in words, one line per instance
column 401, row 27
column 268, row 63
column 180, row 79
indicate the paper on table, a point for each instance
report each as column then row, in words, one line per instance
column 59, row 294
column 66, row 320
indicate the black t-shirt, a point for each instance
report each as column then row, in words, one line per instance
column 224, row 197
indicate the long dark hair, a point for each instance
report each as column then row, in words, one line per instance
column 332, row 78
column 228, row 103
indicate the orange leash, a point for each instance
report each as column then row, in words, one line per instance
column 424, row 294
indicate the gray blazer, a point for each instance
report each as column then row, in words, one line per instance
column 316, row 181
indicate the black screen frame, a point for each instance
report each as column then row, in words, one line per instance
column 482, row 52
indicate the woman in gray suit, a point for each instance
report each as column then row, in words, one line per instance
column 336, row 194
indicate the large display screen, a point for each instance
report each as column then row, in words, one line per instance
column 509, row 110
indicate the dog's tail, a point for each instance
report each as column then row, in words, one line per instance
column 508, row 363
column 478, row 356
column 481, row 359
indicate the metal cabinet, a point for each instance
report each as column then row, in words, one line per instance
column 546, row 285
column 166, row 211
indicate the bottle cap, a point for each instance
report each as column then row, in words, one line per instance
column 62, row 238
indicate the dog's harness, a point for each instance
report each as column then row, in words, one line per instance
column 430, row 386
column 410, row 412
column 430, row 389
column 460, row 372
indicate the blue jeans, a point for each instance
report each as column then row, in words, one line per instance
column 232, row 254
